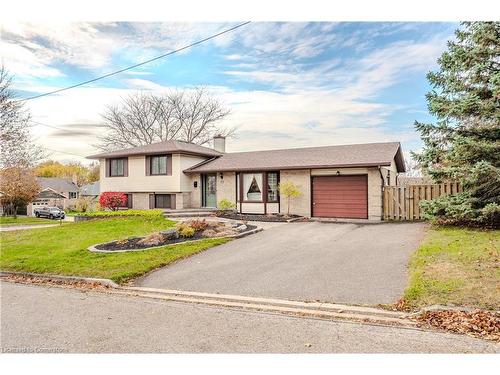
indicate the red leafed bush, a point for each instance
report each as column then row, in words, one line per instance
column 112, row 200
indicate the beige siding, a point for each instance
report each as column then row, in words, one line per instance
column 226, row 187
column 137, row 181
column 195, row 199
column 252, row 208
column 301, row 205
column 140, row 201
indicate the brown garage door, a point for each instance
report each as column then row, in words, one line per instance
column 340, row 196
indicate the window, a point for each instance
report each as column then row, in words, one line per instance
column 72, row 194
column 116, row 167
column 159, row 165
column 162, row 200
column 128, row 202
column 252, row 187
column 272, row 187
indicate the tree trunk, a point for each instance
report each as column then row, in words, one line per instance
column 288, row 207
column 14, row 211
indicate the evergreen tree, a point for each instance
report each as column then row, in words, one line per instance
column 464, row 143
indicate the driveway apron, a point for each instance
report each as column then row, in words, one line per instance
column 345, row 263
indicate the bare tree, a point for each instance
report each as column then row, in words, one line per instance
column 17, row 146
column 191, row 116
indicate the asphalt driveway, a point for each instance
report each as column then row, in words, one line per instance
column 345, row 263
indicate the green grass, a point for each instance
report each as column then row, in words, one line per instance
column 456, row 266
column 63, row 250
column 9, row 220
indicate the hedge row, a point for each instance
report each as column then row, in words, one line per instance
column 145, row 213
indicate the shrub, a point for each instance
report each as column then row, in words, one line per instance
column 144, row 213
column 112, row 200
column 197, row 224
column 83, row 204
column 185, row 230
column 225, row 205
column 459, row 210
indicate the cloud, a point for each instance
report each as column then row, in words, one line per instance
column 318, row 83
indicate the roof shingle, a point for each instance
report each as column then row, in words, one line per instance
column 160, row 147
column 357, row 155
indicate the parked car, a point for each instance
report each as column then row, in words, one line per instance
column 50, row 212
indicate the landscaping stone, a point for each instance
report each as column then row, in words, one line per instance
column 241, row 228
column 154, row 239
column 170, row 234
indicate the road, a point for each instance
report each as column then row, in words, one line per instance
column 343, row 263
column 39, row 318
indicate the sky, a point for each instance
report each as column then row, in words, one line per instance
column 286, row 84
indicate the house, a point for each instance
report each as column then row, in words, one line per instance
column 55, row 191
column 343, row 181
column 90, row 191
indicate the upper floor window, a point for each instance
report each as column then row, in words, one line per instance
column 72, row 195
column 117, row 167
column 158, row 164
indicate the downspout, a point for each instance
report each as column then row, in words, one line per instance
column 381, row 190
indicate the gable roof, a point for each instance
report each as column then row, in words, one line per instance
column 160, row 147
column 357, row 155
column 57, row 184
column 91, row 189
column 50, row 193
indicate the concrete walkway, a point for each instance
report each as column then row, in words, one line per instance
column 8, row 228
column 67, row 320
column 343, row 263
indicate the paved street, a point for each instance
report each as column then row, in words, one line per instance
column 56, row 319
column 345, row 263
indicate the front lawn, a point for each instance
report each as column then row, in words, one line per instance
column 23, row 220
column 63, row 250
column 456, row 266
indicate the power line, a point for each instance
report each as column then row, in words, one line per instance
column 63, row 152
column 47, row 125
column 137, row 65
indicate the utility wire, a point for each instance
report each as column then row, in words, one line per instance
column 47, row 125
column 63, row 152
column 137, row 65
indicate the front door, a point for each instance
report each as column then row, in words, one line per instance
column 209, row 190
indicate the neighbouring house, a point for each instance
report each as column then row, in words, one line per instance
column 343, row 181
column 91, row 191
column 55, row 191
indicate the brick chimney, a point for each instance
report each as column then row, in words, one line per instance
column 220, row 143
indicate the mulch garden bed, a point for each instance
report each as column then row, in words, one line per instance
column 133, row 243
column 257, row 217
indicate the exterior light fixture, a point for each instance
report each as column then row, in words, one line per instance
column 338, row 173
column 196, row 184
column 221, row 175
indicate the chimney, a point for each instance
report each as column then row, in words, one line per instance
column 220, row 143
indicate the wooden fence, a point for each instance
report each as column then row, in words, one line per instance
column 402, row 202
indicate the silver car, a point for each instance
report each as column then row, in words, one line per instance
column 50, row 212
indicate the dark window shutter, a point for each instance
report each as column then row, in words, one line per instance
column 151, row 201
column 148, row 165
column 172, row 201
column 129, row 201
column 107, row 164
column 169, row 165
column 125, row 167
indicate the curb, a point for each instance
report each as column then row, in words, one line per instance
column 239, row 235
column 88, row 280
column 361, row 314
